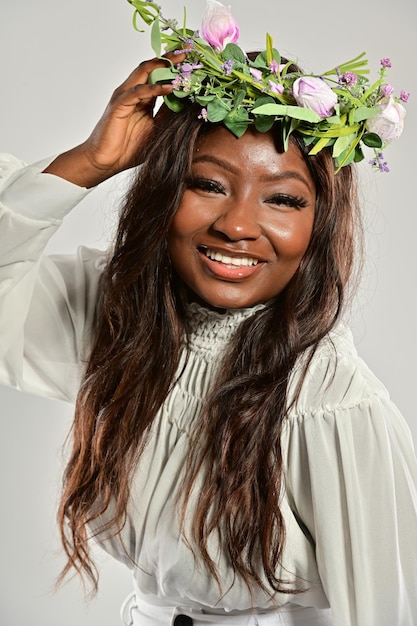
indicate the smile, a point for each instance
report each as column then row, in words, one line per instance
column 236, row 261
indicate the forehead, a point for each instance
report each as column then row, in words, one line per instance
column 253, row 153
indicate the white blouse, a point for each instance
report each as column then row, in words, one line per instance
column 350, row 503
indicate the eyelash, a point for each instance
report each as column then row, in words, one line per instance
column 205, row 184
column 283, row 199
column 280, row 199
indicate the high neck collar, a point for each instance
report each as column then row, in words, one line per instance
column 211, row 327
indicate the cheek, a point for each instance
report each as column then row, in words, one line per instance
column 181, row 248
column 189, row 219
column 291, row 240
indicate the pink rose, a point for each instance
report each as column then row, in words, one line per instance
column 389, row 122
column 313, row 93
column 404, row 96
column 218, row 26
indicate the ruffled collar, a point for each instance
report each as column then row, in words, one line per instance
column 211, row 328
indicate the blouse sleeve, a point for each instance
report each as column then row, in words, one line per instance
column 46, row 303
column 352, row 479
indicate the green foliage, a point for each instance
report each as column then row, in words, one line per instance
column 232, row 52
column 236, row 91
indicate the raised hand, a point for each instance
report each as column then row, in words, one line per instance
column 115, row 142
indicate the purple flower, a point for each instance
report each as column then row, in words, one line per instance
column 182, row 82
column 203, row 115
column 386, row 62
column 379, row 163
column 313, row 93
column 275, row 87
column 257, row 74
column 187, row 68
column 177, row 82
column 190, row 43
column 227, row 67
column 387, row 89
column 404, row 95
column 170, row 24
column 182, row 51
column 218, row 26
column 349, row 78
column 274, row 67
column 389, row 122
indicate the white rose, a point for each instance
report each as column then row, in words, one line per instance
column 389, row 122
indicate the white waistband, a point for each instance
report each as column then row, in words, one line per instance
column 138, row 612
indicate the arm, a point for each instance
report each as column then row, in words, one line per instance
column 352, row 476
column 115, row 143
column 47, row 304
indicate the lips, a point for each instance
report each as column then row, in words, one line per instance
column 227, row 259
column 228, row 266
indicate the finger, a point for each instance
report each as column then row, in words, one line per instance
column 141, row 96
column 175, row 56
column 144, row 69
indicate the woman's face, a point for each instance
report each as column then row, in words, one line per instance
column 244, row 221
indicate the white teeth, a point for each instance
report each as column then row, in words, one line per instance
column 229, row 260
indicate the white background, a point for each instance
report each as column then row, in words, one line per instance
column 60, row 61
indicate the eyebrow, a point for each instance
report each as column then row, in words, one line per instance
column 286, row 175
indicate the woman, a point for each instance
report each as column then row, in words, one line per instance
column 229, row 445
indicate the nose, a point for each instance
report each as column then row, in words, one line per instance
column 238, row 220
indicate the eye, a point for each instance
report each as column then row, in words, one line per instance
column 287, row 200
column 205, row 184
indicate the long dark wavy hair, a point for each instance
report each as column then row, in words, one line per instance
column 142, row 328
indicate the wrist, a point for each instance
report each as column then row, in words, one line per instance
column 76, row 167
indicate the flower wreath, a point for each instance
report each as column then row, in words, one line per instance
column 340, row 108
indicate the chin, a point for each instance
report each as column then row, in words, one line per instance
column 227, row 302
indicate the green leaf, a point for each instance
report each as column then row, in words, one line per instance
column 342, row 144
column 135, row 22
column 144, row 11
column 232, row 52
column 161, row 75
column 264, row 100
column 277, row 56
column 264, row 123
column 334, row 119
column 354, row 64
column 363, row 113
column 319, row 145
column 299, row 113
column 203, row 45
column 237, row 127
column 261, row 60
column 172, row 45
column 287, row 129
column 182, row 95
column 173, row 103
column 203, row 100
column 156, row 37
column 269, row 49
column 240, row 115
column 184, row 26
column 309, row 140
column 348, row 155
column 345, row 158
column 372, row 140
column 359, row 155
column 239, row 98
column 217, row 110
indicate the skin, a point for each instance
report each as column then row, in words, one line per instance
column 249, row 203
column 236, row 215
column 124, row 126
